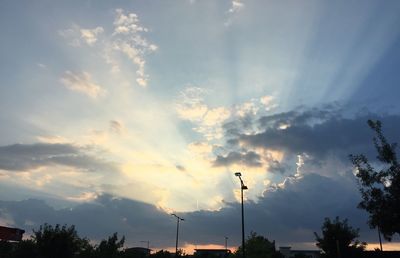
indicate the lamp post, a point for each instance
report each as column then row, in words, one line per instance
column 177, row 232
column 242, row 187
column 226, row 244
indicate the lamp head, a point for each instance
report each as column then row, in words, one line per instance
column 238, row 174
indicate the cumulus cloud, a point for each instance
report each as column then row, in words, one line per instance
column 333, row 135
column 191, row 106
column 317, row 132
column 24, row 157
column 236, row 6
column 82, row 82
column 128, row 39
column 90, row 35
column 250, row 159
column 76, row 35
column 211, row 121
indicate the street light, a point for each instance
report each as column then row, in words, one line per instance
column 177, row 232
column 242, row 187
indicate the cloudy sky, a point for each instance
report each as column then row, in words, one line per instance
column 116, row 113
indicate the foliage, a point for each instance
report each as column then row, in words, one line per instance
column 110, row 248
column 337, row 236
column 26, row 248
column 5, row 249
column 62, row 242
column 257, row 246
column 380, row 188
column 58, row 241
column 161, row 254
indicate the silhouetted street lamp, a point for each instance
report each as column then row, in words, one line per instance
column 177, row 232
column 242, row 187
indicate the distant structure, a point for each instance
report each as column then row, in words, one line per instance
column 11, row 234
column 381, row 254
column 287, row 252
column 219, row 253
column 139, row 251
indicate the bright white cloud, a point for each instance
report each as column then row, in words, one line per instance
column 90, row 35
column 82, row 83
column 254, row 106
column 191, row 106
column 128, row 39
column 236, row 6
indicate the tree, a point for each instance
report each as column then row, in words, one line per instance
column 58, row 241
column 6, row 249
column 258, row 246
column 161, row 254
column 110, row 248
column 339, row 239
column 380, row 188
column 25, row 248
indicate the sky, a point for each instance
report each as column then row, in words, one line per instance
column 115, row 114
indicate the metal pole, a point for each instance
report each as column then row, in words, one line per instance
column 242, row 187
column 177, row 236
column 226, row 244
column 380, row 240
column 243, row 245
column 177, row 232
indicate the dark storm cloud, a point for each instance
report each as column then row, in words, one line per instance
column 275, row 166
column 19, row 157
column 96, row 220
column 318, row 133
column 249, row 158
column 288, row 214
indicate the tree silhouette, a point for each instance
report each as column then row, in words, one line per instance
column 161, row 254
column 58, row 241
column 110, row 248
column 258, row 246
column 25, row 248
column 380, row 188
column 339, row 239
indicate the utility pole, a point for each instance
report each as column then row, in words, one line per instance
column 148, row 243
column 380, row 240
column 177, row 232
